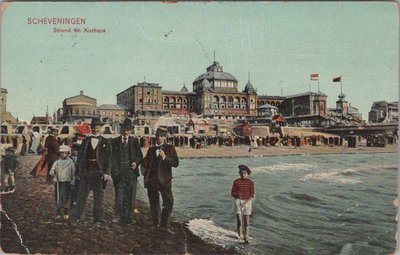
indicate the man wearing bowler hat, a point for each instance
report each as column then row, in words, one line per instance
column 158, row 164
column 126, row 157
column 243, row 192
column 94, row 167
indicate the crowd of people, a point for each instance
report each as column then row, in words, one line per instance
column 91, row 160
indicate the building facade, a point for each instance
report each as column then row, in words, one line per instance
column 110, row 113
column 384, row 112
column 215, row 95
column 4, row 115
column 142, row 99
column 304, row 109
column 80, row 107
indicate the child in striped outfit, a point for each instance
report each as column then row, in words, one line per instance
column 243, row 191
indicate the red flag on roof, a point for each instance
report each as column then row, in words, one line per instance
column 314, row 77
column 337, row 79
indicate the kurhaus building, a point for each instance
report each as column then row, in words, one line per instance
column 215, row 95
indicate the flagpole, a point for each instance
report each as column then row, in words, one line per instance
column 341, row 91
column 318, row 86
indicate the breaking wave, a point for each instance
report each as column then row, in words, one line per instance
column 282, row 167
column 347, row 176
column 212, row 233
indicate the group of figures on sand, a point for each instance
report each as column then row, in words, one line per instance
column 95, row 161
column 88, row 166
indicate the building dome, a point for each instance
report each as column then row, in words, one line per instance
column 215, row 72
column 249, row 88
column 184, row 89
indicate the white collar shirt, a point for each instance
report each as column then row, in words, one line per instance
column 94, row 141
column 123, row 137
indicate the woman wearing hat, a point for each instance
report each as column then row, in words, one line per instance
column 50, row 155
column 243, row 192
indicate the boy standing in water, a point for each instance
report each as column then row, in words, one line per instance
column 243, row 192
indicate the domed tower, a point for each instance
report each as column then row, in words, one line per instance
column 251, row 97
column 342, row 104
column 219, row 81
column 249, row 89
column 184, row 89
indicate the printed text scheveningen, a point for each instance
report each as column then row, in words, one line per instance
column 54, row 20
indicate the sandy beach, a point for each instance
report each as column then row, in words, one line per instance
column 31, row 207
column 243, row 151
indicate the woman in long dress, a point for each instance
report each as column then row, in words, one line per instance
column 50, row 155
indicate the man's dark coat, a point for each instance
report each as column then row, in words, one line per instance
column 163, row 167
column 103, row 156
column 134, row 155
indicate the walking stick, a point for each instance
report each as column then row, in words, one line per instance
column 58, row 187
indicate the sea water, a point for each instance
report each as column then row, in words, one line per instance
column 305, row 204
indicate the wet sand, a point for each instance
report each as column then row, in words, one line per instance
column 243, row 151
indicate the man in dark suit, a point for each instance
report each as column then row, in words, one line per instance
column 94, row 167
column 158, row 165
column 126, row 157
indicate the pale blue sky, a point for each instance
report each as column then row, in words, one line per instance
column 281, row 44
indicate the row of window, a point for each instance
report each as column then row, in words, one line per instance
column 224, row 84
column 178, row 106
column 277, row 104
column 112, row 113
column 81, row 111
column 223, row 106
column 148, row 100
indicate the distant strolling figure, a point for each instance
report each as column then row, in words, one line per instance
column 35, row 138
column 24, row 146
column 243, row 192
column 8, row 167
column 50, row 155
column 126, row 157
column 63, row 172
